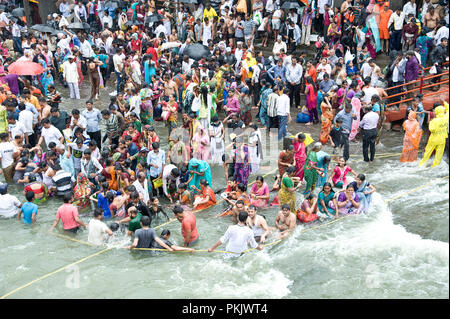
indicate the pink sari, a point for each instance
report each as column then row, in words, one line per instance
column 264, row 190
column 356, row 103
column 201, row 151
column 300, row 158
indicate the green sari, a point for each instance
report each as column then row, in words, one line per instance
column 310, row 173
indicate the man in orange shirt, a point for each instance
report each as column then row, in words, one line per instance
column 188, row 225
column 385, row 14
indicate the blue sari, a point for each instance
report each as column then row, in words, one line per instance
column 201, row 166
column 424, row 43
column 149, row 71
column 320, row 157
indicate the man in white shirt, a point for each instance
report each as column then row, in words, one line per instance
column 80, row 12
column 238, row 237
column 442, row 32
column 141, row 184
column 70, row 73
column 410, row 8
column 397, row 18
column 98, row 229
column 50, row 134
column 107, row 21
column 16, row 31
column 294, row 73
column 322, row 68
column 16, row 128
column 366, row 69
column 283, row 112
column 118, row 67
column 64, row 8
column 26, row 117
column 277, row 46
column 7, row 154
column 9, row 204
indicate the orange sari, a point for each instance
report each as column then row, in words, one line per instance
column 327, row 121
column 411, row 141
column 207, row 191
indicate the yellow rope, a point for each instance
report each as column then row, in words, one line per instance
column 54, row 272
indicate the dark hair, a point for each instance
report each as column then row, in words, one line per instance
column 134, row 195
column 362, row 177
column 285, row 206
column 145, row 221
column 291, row 169
column 29, row 196
column 242, row 187
column 67, row 197
column 243, row 216
column 329, row 185
column 98, row 212
column 165, row 232
column 178, row 210
column 260, row 178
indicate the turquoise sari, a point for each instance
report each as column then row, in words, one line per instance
column 326, row 200
column 200, row 166
column 320, row 157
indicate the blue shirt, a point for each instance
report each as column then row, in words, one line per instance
column 278, row 71
column 93, row 119
column 28, row 209
column 376, row 107
column 347, row 120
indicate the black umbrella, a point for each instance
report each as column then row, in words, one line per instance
column 197, row 51
column 188, row 1
column 154, row 18
column 79, row 26
column 19, row 12
column 133, row 22
column 112, row 4
column 43, row 28
column 290, row 5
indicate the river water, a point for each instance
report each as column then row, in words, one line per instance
column 399, row 250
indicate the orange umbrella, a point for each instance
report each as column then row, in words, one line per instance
column 25, row 68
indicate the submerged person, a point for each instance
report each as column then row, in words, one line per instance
column 308, row 209
column 98, row 229
column 348, row 202
column 257, row 224
column 206, row 197
column 38, row 188
column 198, row 170
column 68, row 214
column 28, row 209
column 259, row 193
column 165, row 235
column 327, row 202
column 238, row 237
column 145, row 236
column 188, row 225
column 285, row 221
column 363, row 190
column 9, row 204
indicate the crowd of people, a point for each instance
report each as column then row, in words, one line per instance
column 149, row 56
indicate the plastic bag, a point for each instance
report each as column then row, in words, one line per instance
column 348, row 56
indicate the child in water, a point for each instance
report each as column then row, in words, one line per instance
column 340, row 172
column 165, row 235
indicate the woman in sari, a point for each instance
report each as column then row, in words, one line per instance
column 327, row 196
column 201, row 144
column 242, row 166
column 323, row 159
column 259, row 194
column 424, row 43
column 206, row 197
column 300, row 154
column 356, row 103
column 217, row 133
column 334, row 33
column 311, row 100
column 286, row 194
column 411, row 141
column 146, row 106
column 348, row 202
column 311, row 170
column 363, row 190
column 327, row 120
column 110, row 174
column 81, row 192
column 198, row 170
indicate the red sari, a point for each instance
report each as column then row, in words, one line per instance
column 300, row 157
column 207, row 191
